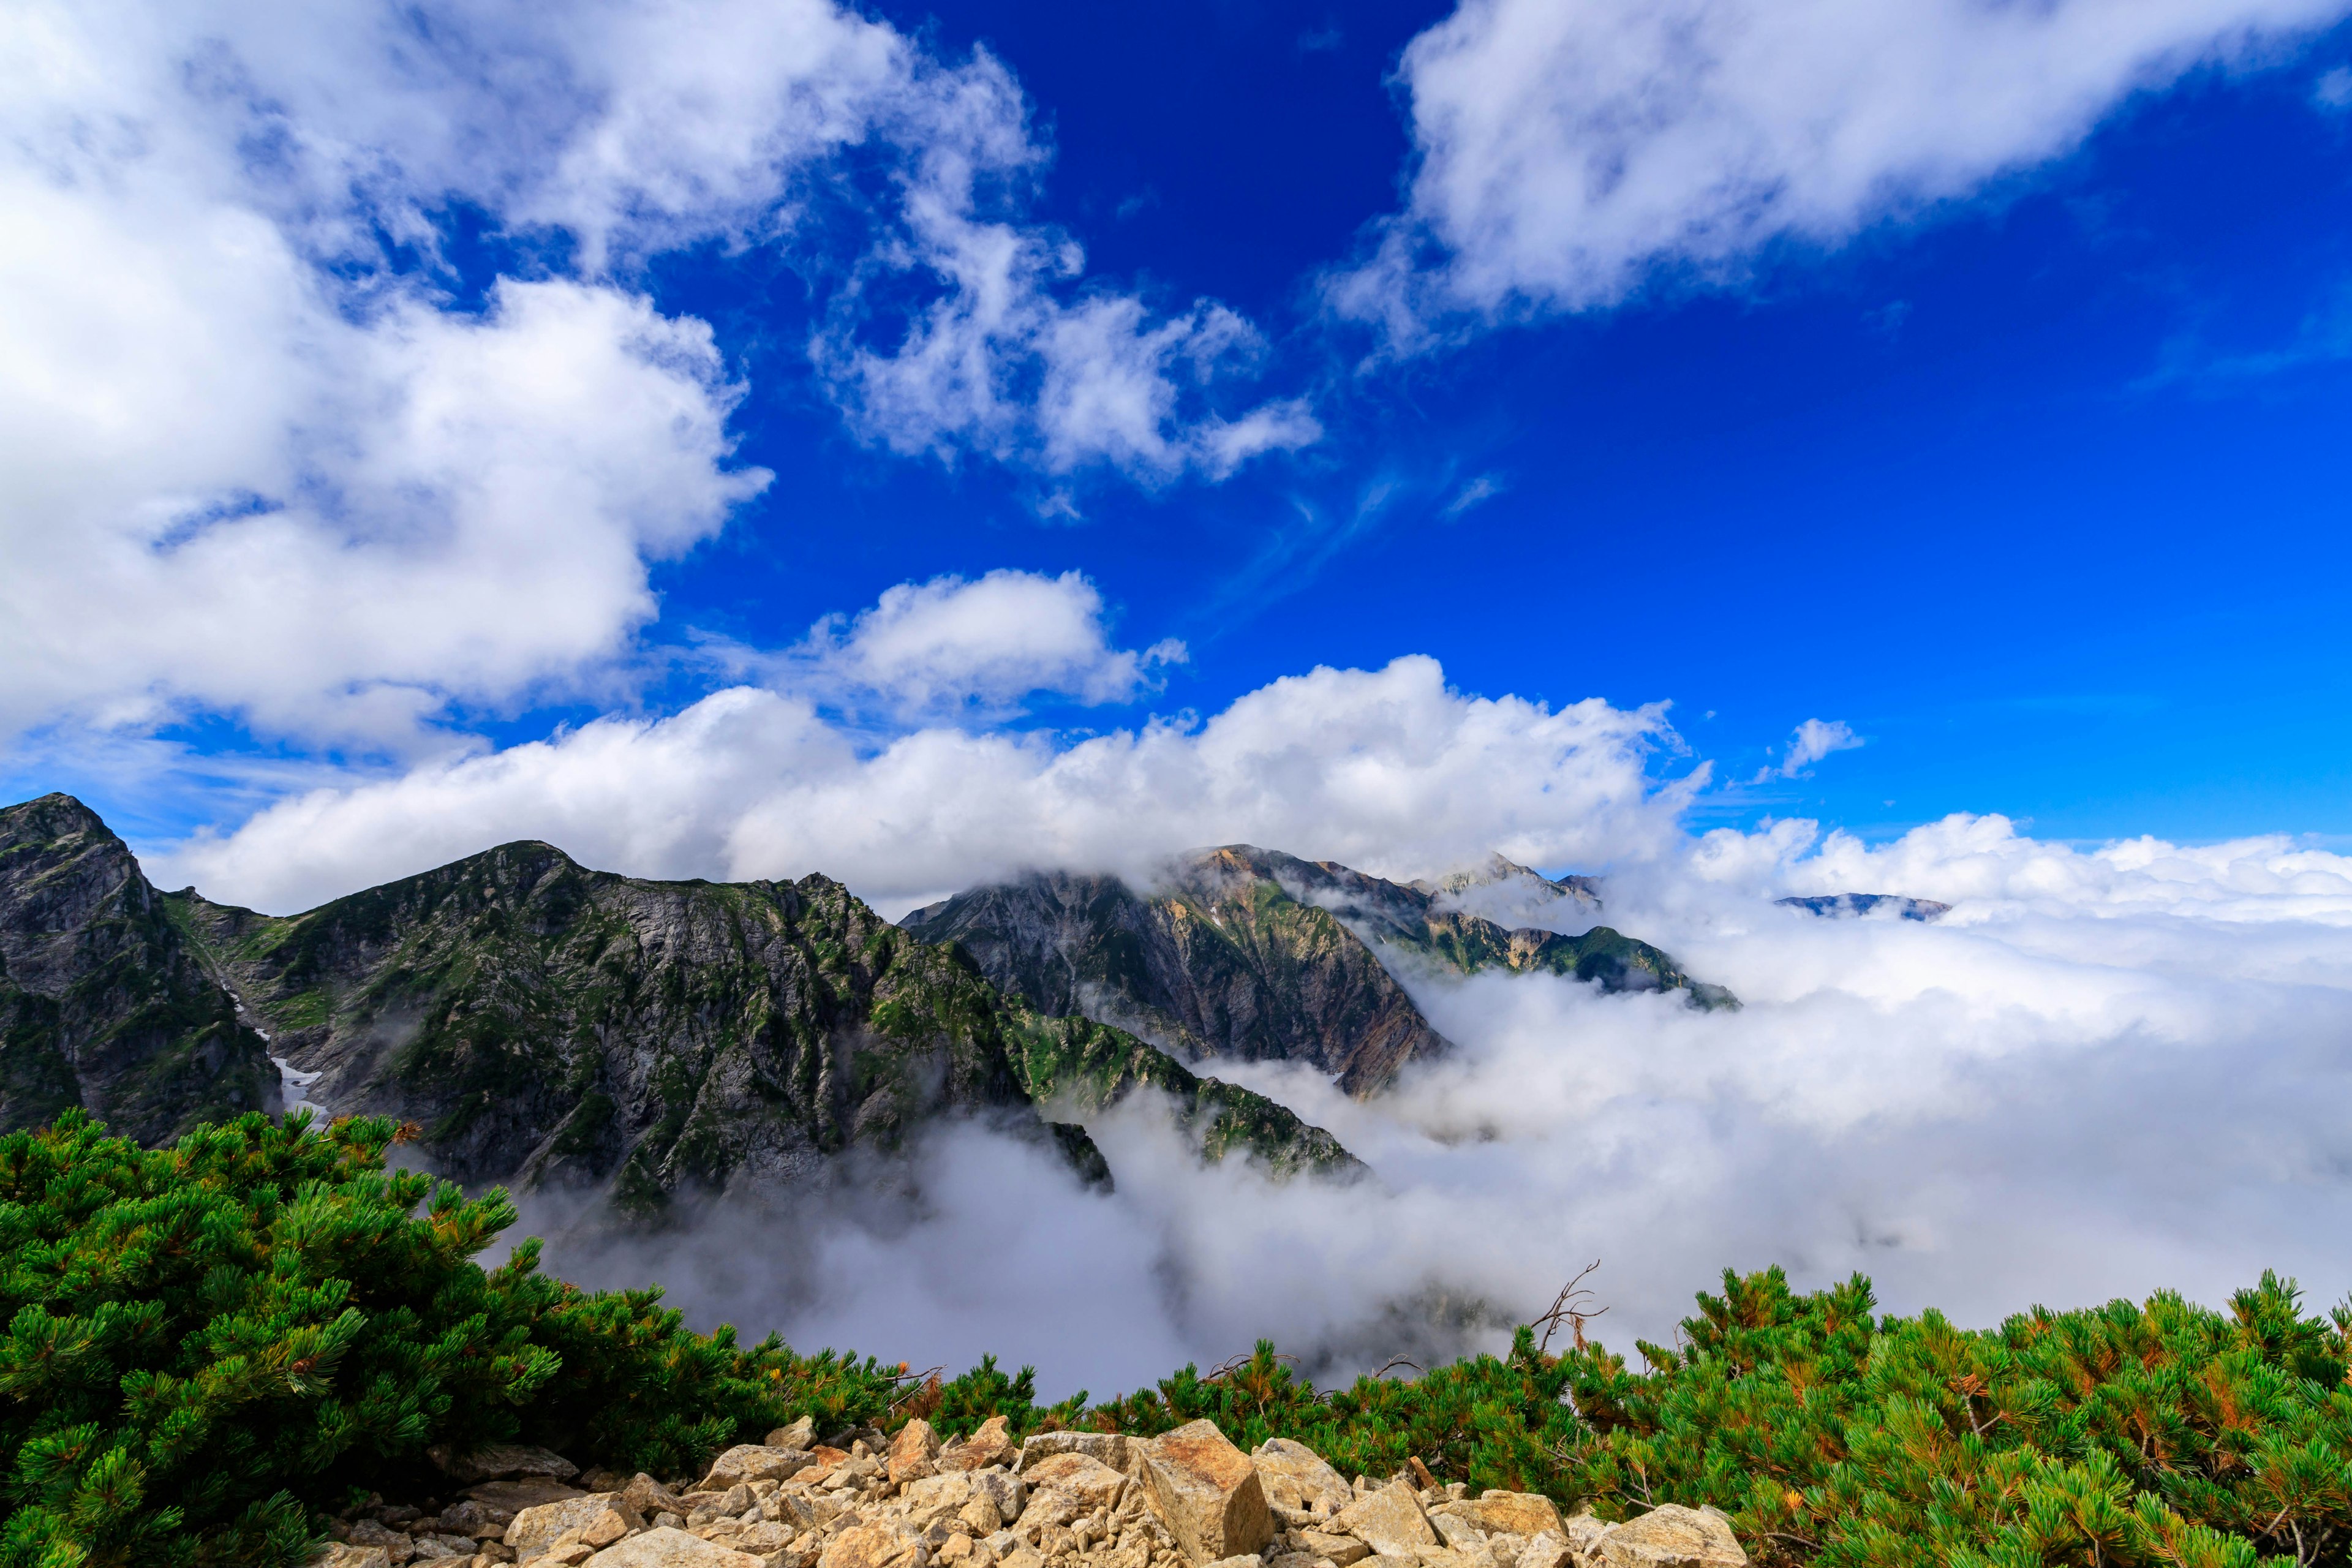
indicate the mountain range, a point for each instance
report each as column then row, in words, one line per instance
column 544, row 1024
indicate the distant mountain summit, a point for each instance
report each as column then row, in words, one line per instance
column 1251, row 953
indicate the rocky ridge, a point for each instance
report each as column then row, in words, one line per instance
column 1252, row 954
column 1187, row 1498
column 105, row 1001
column 544, row 1024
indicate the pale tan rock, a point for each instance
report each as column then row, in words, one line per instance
column 1390, row 1520
column 664, row 1548
column 561, row 1555
column 1342, row 1549
column 1505, row 1513
column 914, row 1451
column 752, row 1462
column 1092, row 1482
column 608, row 1514
column 1207, row 1493
column 1294, row 1477
column 1113, row 1448
column 991, row 1443
column 980, row 1513
column 344, row 1554
column 1673, row 1536
column 1553, row 1549
column 1244, row 1559
column 882, row 1544
column 800, row 1435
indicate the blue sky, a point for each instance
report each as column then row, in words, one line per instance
column 2025, row 463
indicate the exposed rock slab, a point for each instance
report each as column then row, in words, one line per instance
column 1207, row 1493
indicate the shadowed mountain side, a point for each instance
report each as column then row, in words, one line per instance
column 104, row 1002
column 1254, row 954
column 1220, row 962
column 550, row 1024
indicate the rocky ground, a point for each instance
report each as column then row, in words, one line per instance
column 1189, row 1499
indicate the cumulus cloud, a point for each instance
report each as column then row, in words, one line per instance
column 1566, row 154
column 261, row 461
column 978, row 648
column 1390, row 770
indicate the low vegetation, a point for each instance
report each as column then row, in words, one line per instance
column 210, row 1345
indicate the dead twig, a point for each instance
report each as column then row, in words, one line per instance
column 1571, row 1307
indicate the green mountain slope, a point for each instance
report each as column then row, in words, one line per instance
column 1248, row 953
column 543, row 1022
column 104, row 1001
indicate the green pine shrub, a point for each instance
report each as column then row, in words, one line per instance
column 209, row 1344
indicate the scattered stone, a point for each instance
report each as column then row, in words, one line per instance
column 1549, row 1549
column 1110, row 1447
column 1673, row 1536
column 1089, row 1481
column 395, row 1545
column 1389, row 1521
column 1246, row 1559
column 1207, row 1493
column 1584, row 1532
column 1340, row 1550
column 671, row 1548
column 434, row 1547
column 884, row 1544
column 1506, row 1514
column 991, row 1445
column 503, row 1461
column 914, row 1452
column 343, row 1554
column 800, row 1434
column 1296, row 1477
column 596, row 1520
column 752, row 1462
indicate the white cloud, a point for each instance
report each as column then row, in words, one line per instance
column 1808, row 743
column 1389, row 770
column 979, row 648
column 256, row 463
column 1566, row 153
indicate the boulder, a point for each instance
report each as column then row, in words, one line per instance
column 991, row 1445
column 1549, row 1549
column 1673, row 1537
column 1340, row 1550
column 1244, row 1559
column 1207, row 1493
column 667, row 1548
column 1296, row 1477
column 395, row 1545
column 1093, row 1483
column 752, row 1462
column 1110, row 1447
column 914, row 1452
column 884, row 1544
column 1507, row 1513
column 343, row 1554
column 596, row 1520
column 1389, row 1521
column 800, row 1434
column 502, row 1461
column 518, row 1495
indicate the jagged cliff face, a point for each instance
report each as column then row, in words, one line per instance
column 550, row 1024
column 1221, row 961
column 1255, row 954
column 105, row 1002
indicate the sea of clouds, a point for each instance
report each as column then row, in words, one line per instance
column 2102, row 1074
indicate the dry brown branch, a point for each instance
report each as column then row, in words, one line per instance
column 1571, row 1307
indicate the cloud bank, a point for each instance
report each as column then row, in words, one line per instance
column 2126, row 1082
column 1390, row 770
column 1566, row 155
